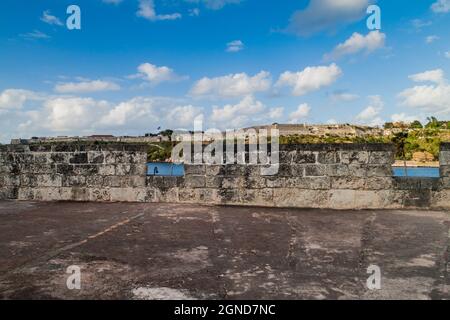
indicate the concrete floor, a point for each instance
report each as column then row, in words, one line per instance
column 163, row 251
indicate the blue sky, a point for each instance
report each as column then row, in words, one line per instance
column 137, row 65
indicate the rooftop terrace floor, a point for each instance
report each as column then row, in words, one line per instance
column 164, row 251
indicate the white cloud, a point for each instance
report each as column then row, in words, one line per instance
column 419, row 24
column 86, row 86
column 447, row 54
column 441, row 6
column 68, row 114
column 322, row 15
column 147, row 11
column 155, row 75
column 194, row 12
column 358, row 43
column 235, row 46
column 215, row 4
column 431, row 39
column 300, row 113
column 35, row 35
column 342, row 96
column 232, row 85
column 370, row 115
column 276, row 113
column 183, row 116
column 436, row 76
column 247, row 106
column 310, row 79
column 16, row 98
column 403, row 117
column 246, row 112
column 50, row 19
column 431, row 99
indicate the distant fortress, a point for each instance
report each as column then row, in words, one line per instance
column 325, row 130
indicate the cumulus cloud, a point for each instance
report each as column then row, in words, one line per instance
column 300, row 113
column 441, row 6
column 247, row 112
column 232, row 85
column 430, row 99
column 68, row 114
column 321, row 15
column 215, row 4
column 343, row 96
column 16, row 98
column 235, row 46
column 358, row 43
column 310, row 79
column 370, row 115
column 431, row 39
column 86, row 86
column 147, row 11
column 155, row 75
column 48, row 18
column 403, row 117
column 436, row 76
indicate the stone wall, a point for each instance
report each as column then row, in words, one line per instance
column 90, row 172
column 338, row 176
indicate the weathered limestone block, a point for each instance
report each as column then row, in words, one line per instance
column 349, row 182
column 7, row 193
column 213, row 170
column 316, row 170
column 112, row 181
column 328, row 157
column 123, row 169
column 94, row 181
column 40, row 168
column 25, row 194
column 444, row 157
column 192, row 169
column 441, row 199
column 59, row 157
column 378, row 183
column 129, row 194
column 49, row 180
column 338, row 170
column 313, row 183
column 254, row 182
column 233, row 182
column 445, row 170
column 380, row 157
column 10, row 180
column 79, row 194
column 49, row 194
column 28, row 180
column 65, row 169
column 41, row 158
column 379, row 171
column 96, row 157
column 107, row 170
column 109, row 157
column 287, row 156
column 229, row 196
column 85, row 169
column 73, row 181
column 138, row 169
column 192, row 181
column 304, row 157
column 445, row 183
column 99, row 194
column 79, row 157
column 168, row 195
column 300, row 198
column 257, row 197
column 354, row 157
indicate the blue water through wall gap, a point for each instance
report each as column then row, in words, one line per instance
column 177, row 170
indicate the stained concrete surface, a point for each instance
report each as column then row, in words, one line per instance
column 175, row 251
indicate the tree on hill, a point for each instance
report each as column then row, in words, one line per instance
column 416, row 125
